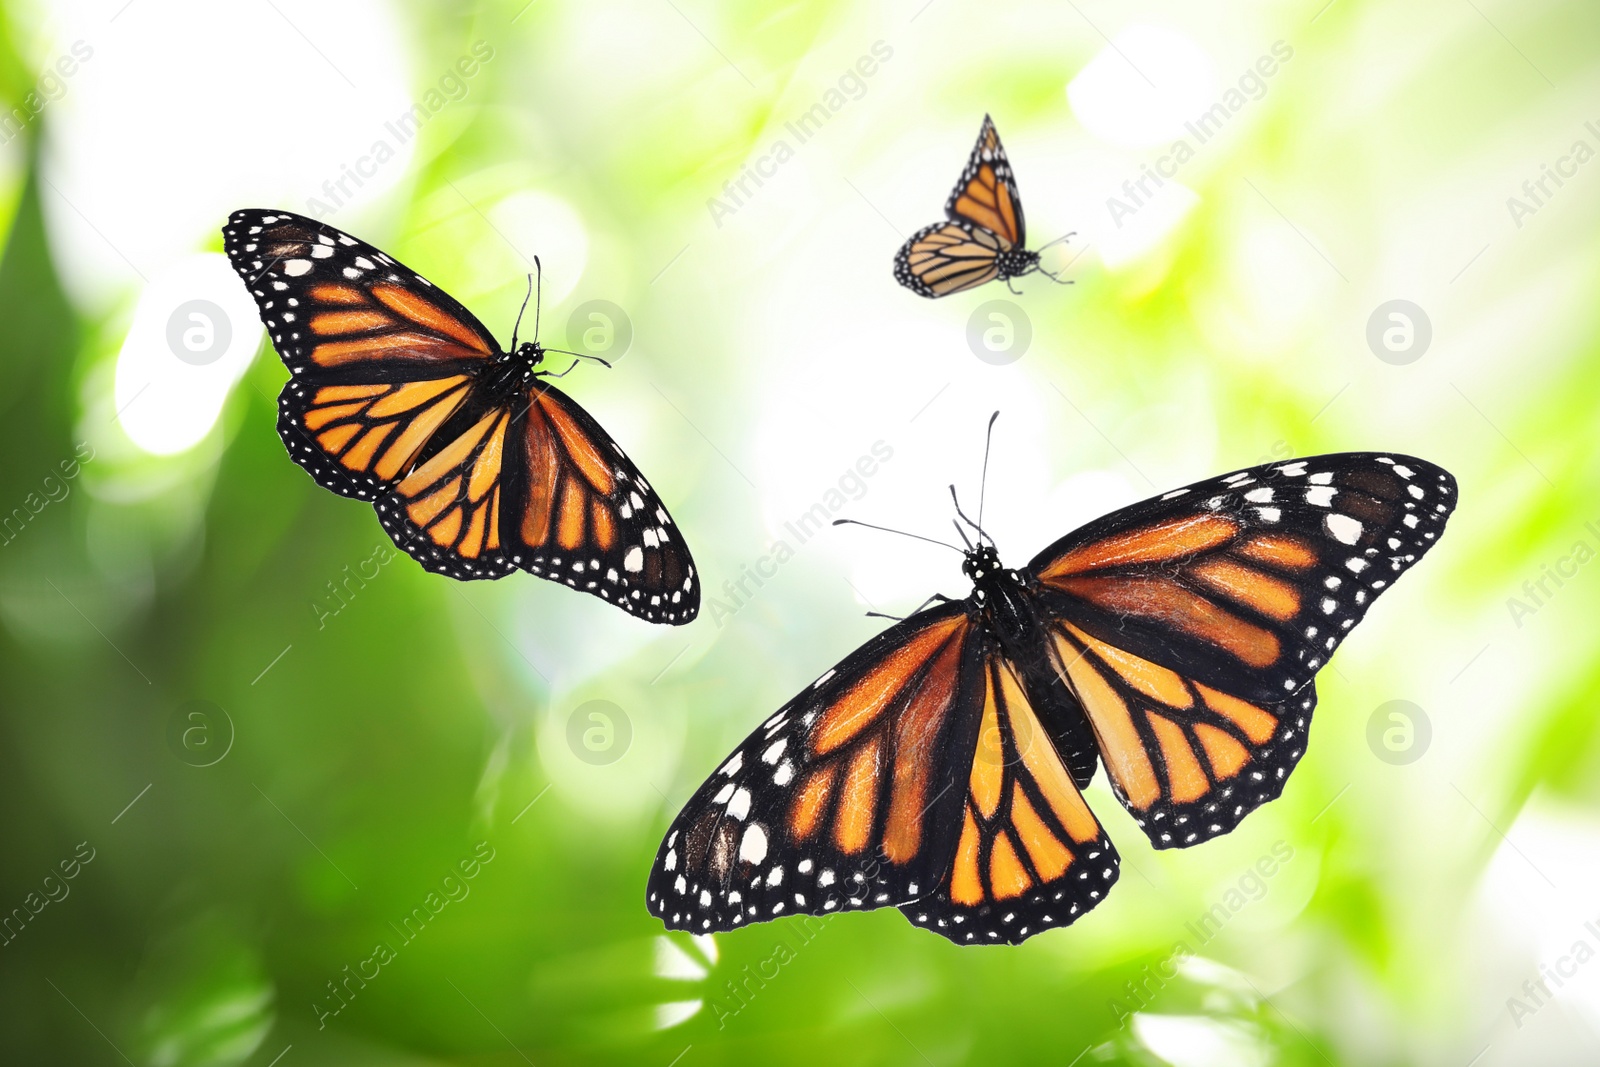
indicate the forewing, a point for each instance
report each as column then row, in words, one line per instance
column 578, row 511
column 338, row 308
column 379, row 358
column 986, row 196
column 849, row 798
column 1030, row 855
column 946, row 258
column 1246, row 583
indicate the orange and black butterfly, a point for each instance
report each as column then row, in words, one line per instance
column 985, row 236
column 477, row 465
column 939, row 768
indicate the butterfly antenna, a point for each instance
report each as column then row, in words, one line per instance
column 520, row 310
column 983, row 482
column 962, row 534
column 1055, row 276
column 1057, row 241
column 538, row 303
column 902, row 533
column 578, row 355
column 969, row 522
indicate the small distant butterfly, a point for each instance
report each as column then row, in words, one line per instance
column 476, row 463
column 985, row 236
column 939, row 768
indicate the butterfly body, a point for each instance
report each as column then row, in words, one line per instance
column 512, row 373
column 1004, row 605
column 939, row 768
column 1016, row 263
column 476, row 464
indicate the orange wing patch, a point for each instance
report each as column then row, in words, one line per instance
column 1158, row 543
column 1245, row 585
column 858, row 798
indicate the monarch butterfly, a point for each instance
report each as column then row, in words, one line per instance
column 939, row 767
column 476, row 464
column 984, row 236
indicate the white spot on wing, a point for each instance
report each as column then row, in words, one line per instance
column 753, row 845
column 1343, row 528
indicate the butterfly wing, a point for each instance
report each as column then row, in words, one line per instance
column 1030, row 855
column 578, row 511
column 946, row 258
column 846, row 799
column 916, row 774
column 1190, row 626
column 379, row 358
column 1188, row 762
column 451, row 508
column 986, row 196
